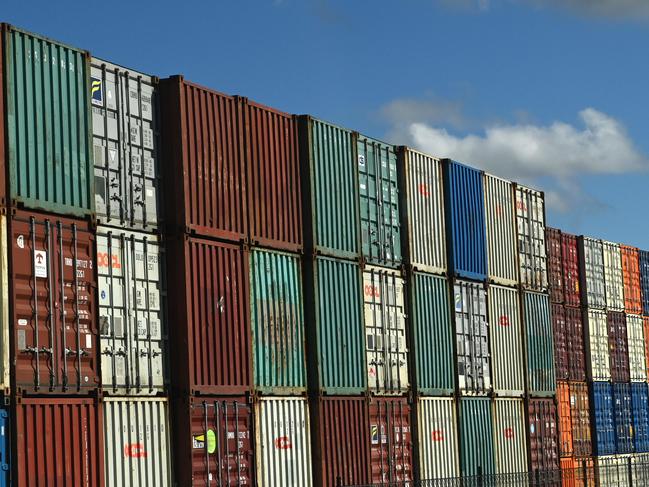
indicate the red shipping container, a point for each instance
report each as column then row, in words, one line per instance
column 631, row 278
column 55, row 337
column 555, row 266
column 576, row 346
column 618, row 347
column 570, row 271
column 543, row 435
column 561, row 338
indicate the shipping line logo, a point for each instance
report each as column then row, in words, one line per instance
column 96, row 92
column 135, row 450
column 283, row 443
column 199, row 443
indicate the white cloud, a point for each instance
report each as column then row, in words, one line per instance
column 619, row 9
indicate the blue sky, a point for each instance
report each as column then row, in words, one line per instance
column 554, row 93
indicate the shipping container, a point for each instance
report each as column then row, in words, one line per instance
column 273, row 176
column 640, row 469
column 137, row 446
column 472, row 337
column 577, row 472
column 52, row 303
column 561, row 339
column 541, row 379
column 277, row 323
column 432, row 335
column 543, row 435
column 210, row 316
column 645, row 326
column 640, row 414
column 384, row 314
column 509, row 436
column 636, row 343
column 643, row 257
column 439, row 456
column 506, row 340
column 565, row 419
column 568, row 335
column 631, row 276
column 203, row 155
column 618, row 346
column 59, row 442
column 613, row 471
column 465, row 221
column 329, row 188
column 580, row 416
column 126, row 147
column 530, row 222
column 570, row 273
column 476, row 437
column 6, row 455
column 390, row 441
column 48, row 126
column 132, row 312
column 591, row 277
column 622, row 416
column 613, row 276
column 424, row 233
column 602, row 418
column 501, row 231
column 5, row 362
column 333, row 316
column 555, row 264
column 340, row 432
column 214, row 441
column 598, row 366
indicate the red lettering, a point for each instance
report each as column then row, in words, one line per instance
column 423, row 190
column 437, row 435
column 283, row 443
column 371, row 291
column 509, row 433
column 504, row 320
column 103, row 259
column 134, row 450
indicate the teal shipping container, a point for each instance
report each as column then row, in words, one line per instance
column 329, row 189
column 277, row 322
column 476, row 437
column 541, row 379
column 334, row 320
column 379, row 202
column 432, row 335
column 48, row 125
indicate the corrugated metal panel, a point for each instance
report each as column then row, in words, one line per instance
column 432, row 335
column 622, row 416
column 385, row 331
column 613, row 471
column 126, row 146
column 335, row 335
column 277, row 322
column 327, row 158
column 561, row 339
column 565, row 419
column 476, row 437
column 509, row 436
column 283, row 443
column 631, row 276
column 6, row 456
column 576, row 348
column 618, row 347
column 506, row 340
column 570, row 261
column 580, row 416
column 59, row 440
column 137, row 444
column 645, row 323
column 379, row 202
column 424, row 210
column 636, row 342
column 598, row 366
column 273, row 180
column 501, row 231
column 132, row 306
column 541, row 379
column 603, row 424
column 438, row 440
column 530, row 221
column 613, row 276
column 340, row 432
column 591, row 264
column 472, row 337
column 465, row 220
column 5, row 361
column 577, row 472
column 555, row 264
column 48, row 124
column 543, row 435
column 644, row 279
column 640, row 469
column 640, row 415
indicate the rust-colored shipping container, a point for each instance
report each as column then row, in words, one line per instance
column 576, row 347
column 580, row 416
column 543, row 436
column 577, row 472
column 59, row 442
column 617, row 346
column 209, row 316
column 631, row 279
column 52, row 302
column 561, row 339
column 273, row 179
column 565, row 420
column 213, row 441
column 341, row 440
column 570, row 270
column 203, row 160
column 555, row 266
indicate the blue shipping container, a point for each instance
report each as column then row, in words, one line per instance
column 640, row 405
column 5, row 448
column 602, row 413
column 622, row 418
column 644, row 279
column 465, row 220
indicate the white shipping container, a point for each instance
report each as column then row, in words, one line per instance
column 137, row 449
column 636, row 344
column 613, row 276
column 530, row 225
column 640, row 468
column 591, row 263
column 612, row 471
column 438, row 440
column 501, row 231
column 5, row 380
column 597, row 353
column 509, row 436
column 424, row 211
column 506, row 340
column 283, row 442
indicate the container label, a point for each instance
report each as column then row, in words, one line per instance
column 96, row 92
column 20, row 241
column 135, row 450
column 40, row 263
column 376, row 438
column 423, row 190
column 283, row 443
column 504, row 320
column 22, row 322
column 509, row 433
column 198, row 442
column 437, row 435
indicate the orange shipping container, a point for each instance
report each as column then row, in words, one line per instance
column 631, row 277
column 580, row 416
column 565, row 421
column 577, row 472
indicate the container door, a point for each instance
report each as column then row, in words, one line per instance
column 391, row 442
column 580, row 415
column 438, row 441
column 576, row 357
column 530, row 218
column 570, row 259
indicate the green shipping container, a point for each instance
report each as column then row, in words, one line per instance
column 334, row 316
column 330, row 188
column 379, row 202
column 48, row 124
column 476, row 437
column 541, row 380
column 432, row 335
column 277, row 323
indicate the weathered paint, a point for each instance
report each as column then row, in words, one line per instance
column 568, row 333
column 580, row 416
column 640, row 415
column 643, row 256
column 502, row 257
column 476, row 436
column 437, row 438
column 598, row 367
column 602, row 416
column 530, row 224
column 541, row 380
column 622, row 417
column 631, row 276
column 509, row 436
column 618, row 346
column 561, row 339
column 571, row 271
column 636, row 343
column 543, row 435
column 565, row 419
column 591, row 264
column 613, row 276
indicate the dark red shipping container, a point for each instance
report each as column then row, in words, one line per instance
column 617, row 346
column 59, row 442
column 340, row 437
column 561, row 338
column 210, row 317
column 570, row 272
column 575, row 342
column 555, row 266
column 543, row 435
column 52, row 302
column 213, row 441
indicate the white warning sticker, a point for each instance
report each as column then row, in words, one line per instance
column 88, row 341
column 40, row 263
